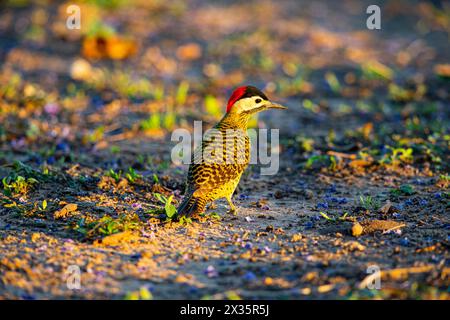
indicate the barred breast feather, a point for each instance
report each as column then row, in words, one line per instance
column 216, row 167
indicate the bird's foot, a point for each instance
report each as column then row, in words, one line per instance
column 233, row 209
column 212, row 206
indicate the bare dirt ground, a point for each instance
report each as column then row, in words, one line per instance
column 363, row 179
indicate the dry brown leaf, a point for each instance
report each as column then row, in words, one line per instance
column 385, row 208
column 325, row 288
column 359, row 163
column 371, row 226
column 117, row 239
column 120, row 48
column 190, row 51
column 65, row 211
column 115, row 47
column 357, row 229
column 353, row 246
column 442, row 70
column 366, row 130
column 296, row 237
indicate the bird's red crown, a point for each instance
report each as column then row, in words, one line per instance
column 236, row 95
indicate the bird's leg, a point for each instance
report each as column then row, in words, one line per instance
column 233, row 209
column 212, row 206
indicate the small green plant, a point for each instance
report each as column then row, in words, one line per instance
column 212, row 106
column 43, row 206
column 333, row 82
column 115, row 175
column 397, row 156
column 96, row 135
column 152, row 122
column 158, row 92
column 369, row 203
column 115, row 149
column 22, row 169
column 334, row 219
column 182, row 92
column 128, row 86
column 404, row 189
column 104, row 226
column 185, row 220
column 169, row 209
column 33, row 131
column 314, row 160
column 17, row 184
column 45, row 171
column 326, row 216
column 46, row 152
column 169, row 120
column 375, row 70
column 107, row 225
column 229, row 295
column 164, row 165
column 432, row 151
column 215, row 215
column 132, row 176
column 98, row 28
column 397, row 93
column 140, row 159
column 333, row 164
column 142, row 294
column 321, row 161
column 306, row 144
column 311, row 106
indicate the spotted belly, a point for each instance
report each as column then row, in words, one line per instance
column 224, row 191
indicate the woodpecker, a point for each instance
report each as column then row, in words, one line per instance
column 217, row 165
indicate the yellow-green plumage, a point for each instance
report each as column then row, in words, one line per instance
column 215, row 177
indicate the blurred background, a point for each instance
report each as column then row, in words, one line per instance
column 149, row 65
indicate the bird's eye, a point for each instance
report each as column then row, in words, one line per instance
column 258, row 100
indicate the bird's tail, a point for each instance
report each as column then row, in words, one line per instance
column 191, row 205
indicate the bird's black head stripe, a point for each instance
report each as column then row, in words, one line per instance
column 252, row 91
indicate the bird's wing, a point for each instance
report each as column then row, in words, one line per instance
column 208, row 170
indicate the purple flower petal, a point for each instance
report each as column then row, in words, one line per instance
column 211, row 272
column 249, row 276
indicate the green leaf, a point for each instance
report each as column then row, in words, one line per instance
column 182, row 92
column 170, row 209
column 161, row 198
column 145, row 294
column 407, row 189
column 344, row 216
column 325, row 216
column 6, row 181
column 185, row 220
column 215, row 215
column 212, row 106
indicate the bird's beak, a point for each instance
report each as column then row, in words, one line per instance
column 268, row 105
column 274, row 105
